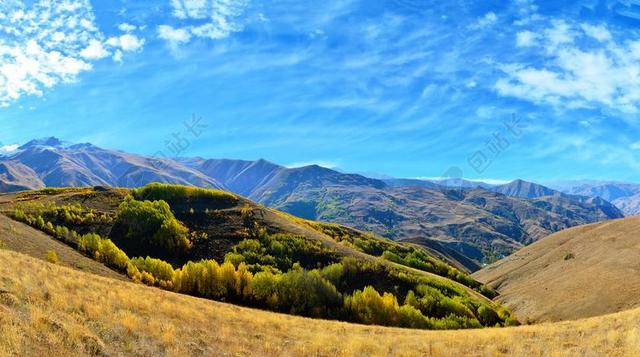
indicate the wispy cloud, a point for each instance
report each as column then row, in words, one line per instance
column 489, row 19
column 50, row 42
column 207, row 19
column 575, row 72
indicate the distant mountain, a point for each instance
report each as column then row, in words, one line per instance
column 629, row 205
column 524, row 189
column 400, row 182
column 49, row 162
column 462, row 183
column 609, row 191
column 624, row 195
column 460, row 219
column 14, row 176
column 433, row 183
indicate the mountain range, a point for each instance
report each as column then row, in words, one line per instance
column 467, row 222
column 624, row 195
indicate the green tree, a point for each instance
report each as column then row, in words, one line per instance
column 151, row 228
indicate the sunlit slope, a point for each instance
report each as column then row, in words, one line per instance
column 19, row 237
column 262, row 253
column 579, row 272
column 54, row 310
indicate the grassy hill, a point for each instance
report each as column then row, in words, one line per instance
column 579, row 272
column 214, row 244
column 48, row 309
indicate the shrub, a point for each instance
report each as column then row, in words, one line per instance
column 333, row 273
column 369, row 307
column 103, row 250
column 161, row 270
column 280, row 251
column 207, row 278
column 298, row 292
column 52, row 257
column 510, row 321
column 167, row 192
column 411, row 317
column 487, row 316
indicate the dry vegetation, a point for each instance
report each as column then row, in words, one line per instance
column 20, row 237
column 580, row 272
column 48, row 309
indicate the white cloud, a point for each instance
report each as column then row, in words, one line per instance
column 46, row 43
column 117, row 56
column 126, row 27
column 489, row 19
column 526, row 38
column 173, row 35
column 221, row 16
column 600, row 33
column 126, row 42
column 559, row 33
column 574, row 75
column 95, row 50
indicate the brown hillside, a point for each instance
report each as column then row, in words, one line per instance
column 579, row 272
column 51, row 310
column 22, row 238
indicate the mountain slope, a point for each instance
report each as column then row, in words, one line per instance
column 52, row 163
column 479, row 224
column 629, row 205
column 609, row 191
column 19, row 237
column 623, row 195
column 579, row 272
column 52, row 310
column 14, row 176
column 524, row 189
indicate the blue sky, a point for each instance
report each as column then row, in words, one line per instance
column 408, row 88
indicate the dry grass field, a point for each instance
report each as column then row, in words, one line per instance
column 48, row 310
column 579, row 272
column 22, row 238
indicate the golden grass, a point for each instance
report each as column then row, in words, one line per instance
column 48, row 309
column 580, row 272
